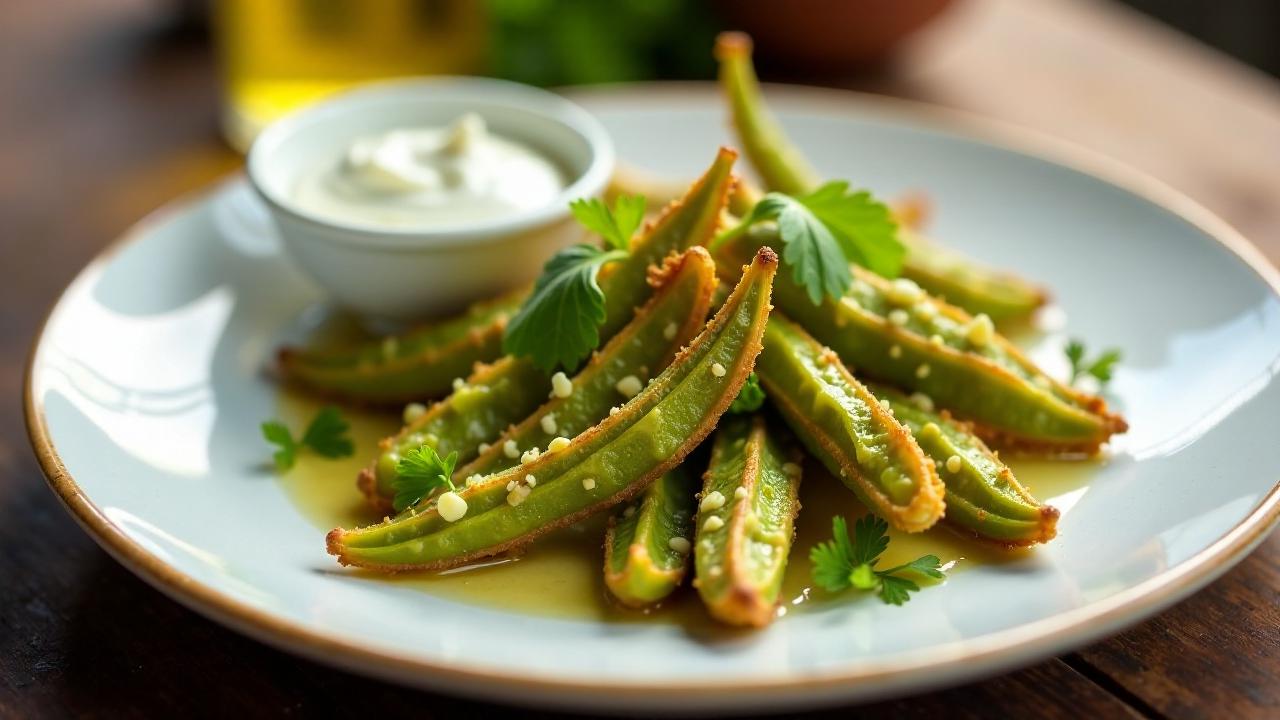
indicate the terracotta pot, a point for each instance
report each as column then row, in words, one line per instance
column 827, row 35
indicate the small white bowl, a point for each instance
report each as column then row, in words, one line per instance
column 404, row 274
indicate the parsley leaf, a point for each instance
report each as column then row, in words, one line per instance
column 615, row 227
column 841, row 563
column 1100, row 368
column 419, row 473
column 277, row 434
column 326, row 436
column 825, row 230
column 560, row 322
column 862, row 225
column 750, row 397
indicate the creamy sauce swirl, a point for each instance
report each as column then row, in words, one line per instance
column 427, row 177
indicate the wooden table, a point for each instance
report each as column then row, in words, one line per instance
column 109, row 111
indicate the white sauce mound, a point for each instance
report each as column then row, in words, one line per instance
column 425, row 177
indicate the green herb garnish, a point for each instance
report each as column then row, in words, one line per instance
column 825, row 230
column 841, row 563
column 1100, row 368
column 615, row 227
column 419, row 473
column 559, row 324
column 750, row 397
column 326, row 436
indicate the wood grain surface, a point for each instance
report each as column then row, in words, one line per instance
column 108, row 109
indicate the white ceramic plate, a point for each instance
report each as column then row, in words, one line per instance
column 146, row 391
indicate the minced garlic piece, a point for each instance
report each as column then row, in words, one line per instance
column 953, row 464
column 561, row 385
column 451, row 506
column 980, row 331
column 669, row 332
column 680, row 545
column 713, row 523
column 413, row 411
column 558, row 444
column 548, row 423
column 718, row 370
column 922, row 401
column 629, row 386
column 713, row 500
column 518, row 495
column 903, row 292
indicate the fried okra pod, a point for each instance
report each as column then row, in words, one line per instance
column 418, row 365
column 844, row 425
column 983, row 498
column 647, row 545
column 746, row 520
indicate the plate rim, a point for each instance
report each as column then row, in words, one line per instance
column 949, row 663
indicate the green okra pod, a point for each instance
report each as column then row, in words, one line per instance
column 647, row 545
column 784, row 168
column 947, row 274
column 983, row 497
column 846, row 427
column 671, row 318
column 418, row 365
column 606, row 465
column 892, row 330
column 746, row 520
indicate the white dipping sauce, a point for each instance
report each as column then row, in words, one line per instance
column 420, row 177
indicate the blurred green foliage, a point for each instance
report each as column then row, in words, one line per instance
column 568, row 42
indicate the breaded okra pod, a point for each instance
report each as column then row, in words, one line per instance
column 424, row 364
column 983, row 497
column 845, row 426
column 783, row 167
column 418, row 365
column 746, row 520
column 606, row 465
column 892, row 330
column 672, row 317
column 647, row 545
column 684, row 224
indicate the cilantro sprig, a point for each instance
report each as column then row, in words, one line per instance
column 326, row 436
column 825, row 230
column 559, row 324
column 419, row 473
column 1101, row 368
column 750, row 397
column 842, row 563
